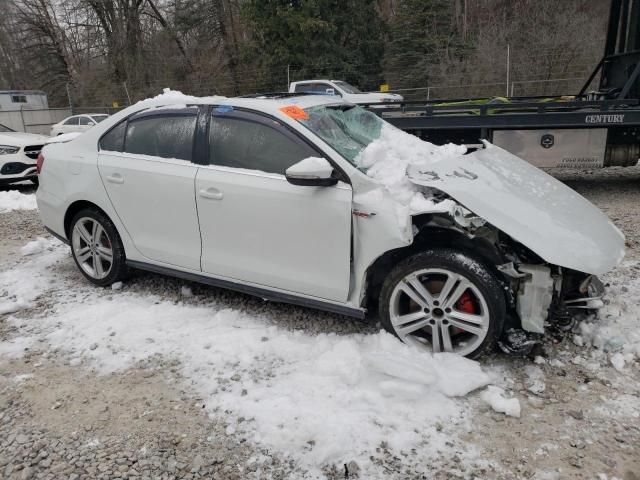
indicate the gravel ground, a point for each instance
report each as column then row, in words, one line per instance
column 61, row 420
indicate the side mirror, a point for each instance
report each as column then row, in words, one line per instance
column 330, row 91
column 311, row 172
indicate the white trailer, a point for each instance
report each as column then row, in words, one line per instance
column 23, row 100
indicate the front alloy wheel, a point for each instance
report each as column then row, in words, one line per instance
column 443, row 301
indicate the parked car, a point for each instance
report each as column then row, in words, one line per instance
column 281, row 198
column 77, row 123
column 344, row 90
column 18, row 154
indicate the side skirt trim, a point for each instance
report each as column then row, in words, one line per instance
column 251, row 290
column 59, row 237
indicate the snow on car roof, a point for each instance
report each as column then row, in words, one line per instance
column 265, row 104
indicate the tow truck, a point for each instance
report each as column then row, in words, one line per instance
column 597, row 128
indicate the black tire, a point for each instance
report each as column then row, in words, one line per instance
column 119, row 270
column 458, row 262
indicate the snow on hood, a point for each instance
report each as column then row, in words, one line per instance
column 529, row 205
column 20, row 139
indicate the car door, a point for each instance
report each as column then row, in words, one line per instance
column 145, row 166
column 256, row 227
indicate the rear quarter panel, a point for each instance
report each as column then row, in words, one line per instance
column 70, row 174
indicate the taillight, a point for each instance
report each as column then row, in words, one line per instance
column 39, row 163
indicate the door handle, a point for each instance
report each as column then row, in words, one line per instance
column 115, row 178
column 211, row 193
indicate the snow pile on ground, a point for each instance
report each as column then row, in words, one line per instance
column 319, row 399
column 495, row 397
column 19, row 287
column 14, row 200
column 35, row 246
column 387, row 158
column 615, row 330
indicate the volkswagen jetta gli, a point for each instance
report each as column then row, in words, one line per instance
column 314, row 201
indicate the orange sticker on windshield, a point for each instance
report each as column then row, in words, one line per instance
column 295, row 112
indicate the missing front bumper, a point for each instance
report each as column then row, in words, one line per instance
column 592, row 291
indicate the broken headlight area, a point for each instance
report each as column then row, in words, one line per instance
column 540, row 296
column 546, row 296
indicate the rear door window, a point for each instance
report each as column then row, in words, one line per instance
column 85, row 121
column 253, row 142
column 71, row 121
column 166, row 135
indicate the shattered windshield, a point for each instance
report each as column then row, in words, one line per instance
column 347, row 128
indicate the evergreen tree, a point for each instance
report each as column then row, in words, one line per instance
column 318, row 39
column 422, row 35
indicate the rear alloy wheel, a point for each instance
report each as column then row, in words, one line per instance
column 97, row 248
column 443, row 301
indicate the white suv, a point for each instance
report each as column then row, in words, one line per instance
column 307, row 200
column 344, row 90
column 18, row 154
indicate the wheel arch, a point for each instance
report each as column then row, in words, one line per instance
column 427, row 237
column 74, row 208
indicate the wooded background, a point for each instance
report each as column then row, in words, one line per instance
column 94, row 52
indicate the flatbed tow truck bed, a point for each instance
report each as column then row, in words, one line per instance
column 590, row 129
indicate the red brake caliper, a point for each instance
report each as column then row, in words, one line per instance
column 466, row 303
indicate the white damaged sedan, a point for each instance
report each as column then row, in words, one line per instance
column 317, row 202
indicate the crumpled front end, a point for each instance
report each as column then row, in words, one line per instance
column 530, row 206
column 538, row 292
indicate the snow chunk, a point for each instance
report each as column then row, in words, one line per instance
column 313, row 163
column 35, row 246
column 615, row 329
column 535, row 379
column 14, row 200
column 169, row 96
column 618, row 361
column 494, row 396
column 387, row 158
